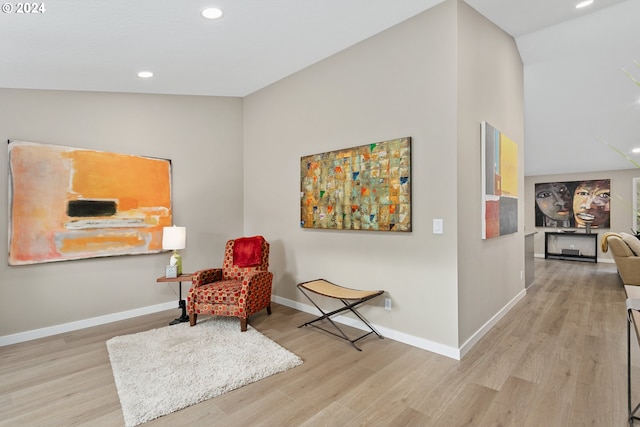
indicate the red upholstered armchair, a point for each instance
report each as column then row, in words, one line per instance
column 240, row 288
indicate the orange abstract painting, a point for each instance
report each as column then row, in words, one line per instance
column 69, row 203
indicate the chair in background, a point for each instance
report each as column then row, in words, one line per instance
column 240, row 288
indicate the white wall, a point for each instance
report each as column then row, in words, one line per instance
column 402, row 82
column 490, row 88
column 203, row 138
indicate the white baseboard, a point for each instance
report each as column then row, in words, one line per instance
column 491, row 323
column 402, row 337
column 411, row 340
column 81, row 324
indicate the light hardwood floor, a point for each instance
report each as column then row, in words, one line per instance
column 558, row 358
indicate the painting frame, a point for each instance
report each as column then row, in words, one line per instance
column 364, row 188
column 68, row 203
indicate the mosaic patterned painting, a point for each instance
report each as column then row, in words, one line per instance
column 359, row 188
column 69, row 203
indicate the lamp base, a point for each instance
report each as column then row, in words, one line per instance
column 176, row 260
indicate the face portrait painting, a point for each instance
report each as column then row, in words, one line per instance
column 573, row 204
column 554, row 200
column 591, row 202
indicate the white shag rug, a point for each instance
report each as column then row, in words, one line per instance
column 163, row 370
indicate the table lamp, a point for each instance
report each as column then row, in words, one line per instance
column 174, row 238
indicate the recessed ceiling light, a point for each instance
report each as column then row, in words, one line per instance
column 145, row 74
column 211, row 13
column 584, row 3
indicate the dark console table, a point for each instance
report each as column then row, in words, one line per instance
column 577, row 246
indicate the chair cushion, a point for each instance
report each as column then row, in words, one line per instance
column 247, row 251
column 222, row 292
column 632, row 242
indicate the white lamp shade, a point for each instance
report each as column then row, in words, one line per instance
column 174, row 238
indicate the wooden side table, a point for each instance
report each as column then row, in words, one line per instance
column 185, row 277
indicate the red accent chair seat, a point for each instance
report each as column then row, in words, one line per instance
column 240, row 288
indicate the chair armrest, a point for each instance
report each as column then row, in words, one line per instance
column 629, row 269
column 202, row 277
column 258, row 279
column 257, row 289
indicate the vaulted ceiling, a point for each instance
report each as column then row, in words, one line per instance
column 576, row 93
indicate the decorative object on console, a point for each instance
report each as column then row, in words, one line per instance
column 499, row 183
column 69, row 203
column 587, row 226
column 360, row 188
column 240, row 288
column 174, row 238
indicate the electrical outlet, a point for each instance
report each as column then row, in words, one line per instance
column 387, row 303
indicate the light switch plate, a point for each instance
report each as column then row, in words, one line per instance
column 438, row 226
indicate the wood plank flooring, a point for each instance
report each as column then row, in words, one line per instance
column 558, row 358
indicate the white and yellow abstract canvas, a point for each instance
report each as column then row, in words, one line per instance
column 499, row 183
